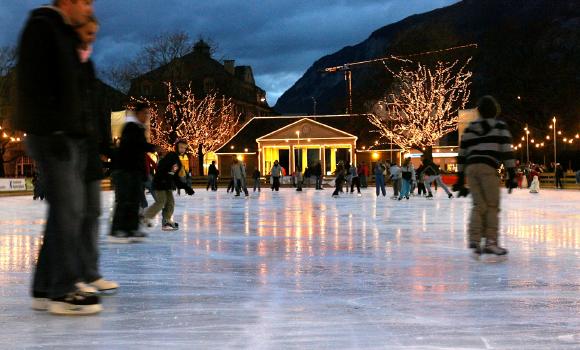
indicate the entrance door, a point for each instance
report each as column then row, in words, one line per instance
column 285, row 160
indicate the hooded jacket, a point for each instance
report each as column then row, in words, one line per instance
column 167, row 180
column 49, row 97
column 486, row 141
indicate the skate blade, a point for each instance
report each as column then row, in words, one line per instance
column 489, row 258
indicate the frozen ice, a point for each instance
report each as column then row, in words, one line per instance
column 295, row 270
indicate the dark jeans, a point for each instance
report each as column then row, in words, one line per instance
column 380, row 185
column 89, row 245
column 355, row 182
column 211, row 182
column 241, row 186
column 363, row 181
column 338, row 187
column 62, row 162
column 128, row 194
column 318, row 182
column 559, row 182
column 257, row 184
column 276, row 183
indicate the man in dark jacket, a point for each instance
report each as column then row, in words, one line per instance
column 212, row 174
column 129, row 176
column 49, row 110
column 166, row 181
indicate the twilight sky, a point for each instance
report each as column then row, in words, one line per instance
column 280, row 39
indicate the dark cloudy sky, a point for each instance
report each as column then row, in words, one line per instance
column 280, row 39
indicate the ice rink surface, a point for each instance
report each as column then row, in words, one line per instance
column 294, row 270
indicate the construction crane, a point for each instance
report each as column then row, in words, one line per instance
column 347, row 67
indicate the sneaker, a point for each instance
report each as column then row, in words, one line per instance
column 75, row 304
column 147, row 222
column 102, row 285
column 137, row 237
column 85, row 288
column 494, row 249
column 120, row 237
column 40, row 301
column 168, row 227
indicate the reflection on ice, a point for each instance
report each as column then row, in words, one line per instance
column 288, row 270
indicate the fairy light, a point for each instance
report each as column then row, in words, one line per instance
column 206, row 122
column 425, row 105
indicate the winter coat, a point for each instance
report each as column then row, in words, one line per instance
column 486, row 141
column 408, row 172
column 395, row 172
column 317, row 171
column 166, row 179
column 379, row 169
column 212, row 170
column 130, row 156
column 276, row 171
column 256, row 175
column 238, row 171
column 49, row 93
column 430, row 168
column 353, row 172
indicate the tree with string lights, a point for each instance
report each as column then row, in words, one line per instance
column 423, row 104
column 205, row 124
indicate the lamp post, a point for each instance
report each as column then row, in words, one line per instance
column 298, row 152
column 527, row 144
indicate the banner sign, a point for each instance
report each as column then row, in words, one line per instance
column 11, row 185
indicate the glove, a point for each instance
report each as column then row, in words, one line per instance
column 189, row 191
column 511, row 181
column 59, row 147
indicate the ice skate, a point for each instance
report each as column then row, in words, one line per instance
column 119, row 237
column 104, row 286
column 75, row 304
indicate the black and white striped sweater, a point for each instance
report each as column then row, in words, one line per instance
column 486, row 141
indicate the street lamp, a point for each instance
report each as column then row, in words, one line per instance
column 555, row 151
column 527, row 143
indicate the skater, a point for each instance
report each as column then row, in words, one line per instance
column 38, row 190
column 380, row 170
column 238, row 173
column 355, row 179
column 340, row 178
column 129, row 176
column 408, row 177
column 184, row 173
column 298, row 178
column 166, row 180
column 559, row 175
column 256, row 176
column 421, row 190
column 51, row 88
column 212, row 175
column 317, row 172
column 363, row 173
column 433, row 174
column 535, row 187
column 395, row 177
column 348, row 176
column 276, row 173
column 485, row 145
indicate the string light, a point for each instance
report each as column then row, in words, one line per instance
column 425, row 105
column 206, row 122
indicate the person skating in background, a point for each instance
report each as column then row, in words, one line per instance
column 50, row 109
column 38, row 190
column 166, row 181
column 212, row 175
column 298, row 178
column 380, row 170
column 256, row 176
column 340, row 179
column 421, row 190
column 317, row 172
column 184, row 173
column 395, row 176
column 559, row 175
column 363, row 173
column 354, row 179
column 433, row 175
column 485, row 145
column 407, row 177
column 348, row 177
column 276, row 173
column 129, row 176
column 238, row 173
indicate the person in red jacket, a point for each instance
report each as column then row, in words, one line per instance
column 363, row 173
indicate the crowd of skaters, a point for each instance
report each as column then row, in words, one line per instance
column 68, row 139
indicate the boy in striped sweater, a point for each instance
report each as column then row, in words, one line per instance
column 485, row 145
